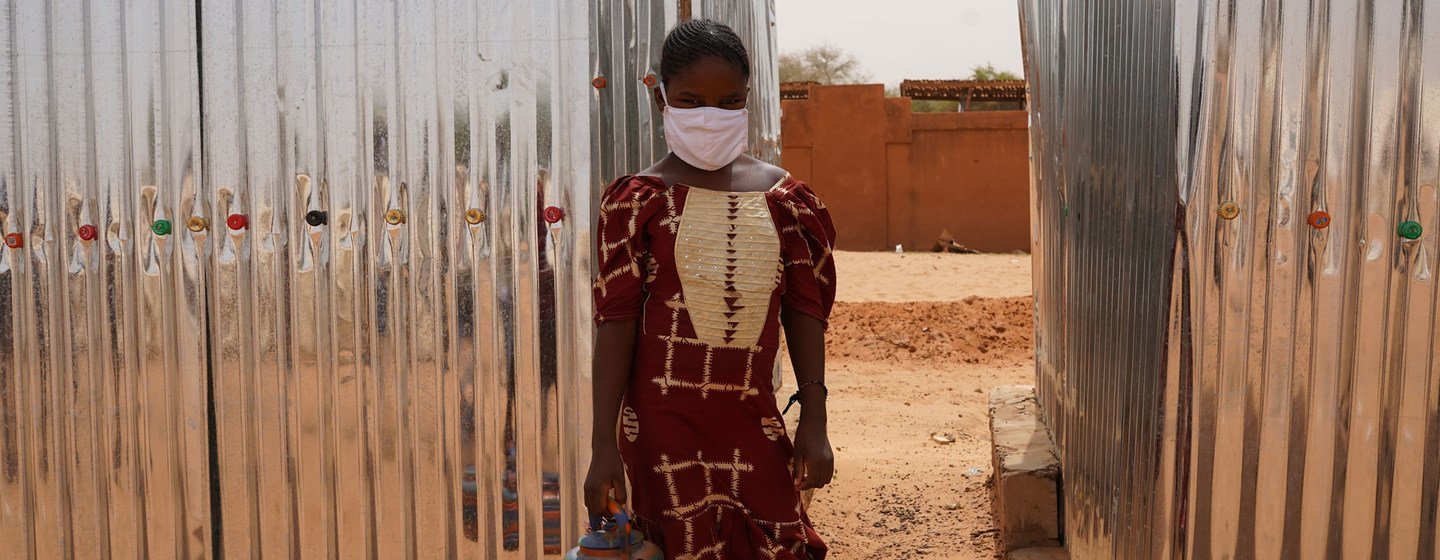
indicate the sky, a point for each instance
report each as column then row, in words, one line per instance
column 907, row 39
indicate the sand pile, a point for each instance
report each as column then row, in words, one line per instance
column 972, row 331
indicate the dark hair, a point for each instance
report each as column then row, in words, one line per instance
column 698, row 38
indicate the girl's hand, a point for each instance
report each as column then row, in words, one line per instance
column 607, row 474
column 814, row 462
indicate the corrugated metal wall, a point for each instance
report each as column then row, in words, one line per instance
column 1237, row 338
column 387, row 383
column 103, row 386
column 321, row 311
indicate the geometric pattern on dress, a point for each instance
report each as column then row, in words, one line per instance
column 623, row 249
column 686, row 510
column 816, row 262
column 726, row 255
column 781, row 529
column 629, row 210
column 630, row 423
column 668, row 380
column 772, row 428
column 636, row 218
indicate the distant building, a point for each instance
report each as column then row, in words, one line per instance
column 973, row 95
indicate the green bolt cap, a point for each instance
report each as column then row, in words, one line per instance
column 1411, row 229
column 161, row 227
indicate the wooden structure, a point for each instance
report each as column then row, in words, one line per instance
column 796, row 90
column 1011, row 93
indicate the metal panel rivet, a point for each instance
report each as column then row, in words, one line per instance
column 1229, row 210
column 649, row 80
column 14, row 241
column 197, row 224
column 1410, row 229
column 394, row 217
column 160, row 227
column 599, row 82
column 554, row 214
column 316, row 218
column 1319, row 219
column 237, row 222
column 474, row 216
column 87, row 232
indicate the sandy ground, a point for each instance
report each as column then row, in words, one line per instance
column 930, row 276
column 915, row 345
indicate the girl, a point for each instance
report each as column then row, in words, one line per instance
column 703, row 258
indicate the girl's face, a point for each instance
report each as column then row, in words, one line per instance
column 707, row 82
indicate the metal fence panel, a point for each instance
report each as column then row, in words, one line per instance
column 1236, row 335
column 335, row 301
column 398, row 327
column 102, row 356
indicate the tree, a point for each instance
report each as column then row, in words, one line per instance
column 825, row 64
column 987, row 71
column 926, row 105
column 934, row 106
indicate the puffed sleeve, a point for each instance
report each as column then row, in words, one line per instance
column 807, row 247
column 622, row 248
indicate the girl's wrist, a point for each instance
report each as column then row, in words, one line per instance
column 810, row 394
column 604, row 443
column 813, row 416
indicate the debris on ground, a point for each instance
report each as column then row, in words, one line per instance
column 946, row 244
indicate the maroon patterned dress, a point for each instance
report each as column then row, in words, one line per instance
column 707, row 272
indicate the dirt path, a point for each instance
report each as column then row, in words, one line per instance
column 915, row 345
column 930, row 276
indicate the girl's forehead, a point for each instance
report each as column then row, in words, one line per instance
column 711, row 71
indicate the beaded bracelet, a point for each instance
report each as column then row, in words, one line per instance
column 795, row 398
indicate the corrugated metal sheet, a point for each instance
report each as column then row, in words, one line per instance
column 388, row 383
column 323, row 313
column 102, row 347
column 1235, row 344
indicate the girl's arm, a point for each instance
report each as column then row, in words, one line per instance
column 610, row 371
column 805, row 338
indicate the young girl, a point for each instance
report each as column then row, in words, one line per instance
column 703, row 258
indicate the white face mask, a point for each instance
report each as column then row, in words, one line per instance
column 706, row 137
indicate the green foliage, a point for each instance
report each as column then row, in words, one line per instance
column 825, row 64
column 996, row 106
column 987, row 71
column 934, row 106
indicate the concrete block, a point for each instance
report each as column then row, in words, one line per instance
column 1027, row 470
column 1046, row 553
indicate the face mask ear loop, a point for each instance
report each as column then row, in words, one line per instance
column 664, row 99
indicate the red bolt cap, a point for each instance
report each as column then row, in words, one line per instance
column 1319, row 219
column 14, row 241
column 87, row 232
column 554, row 214
column 649, row 80
column 237, row 222
column 599, row 83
